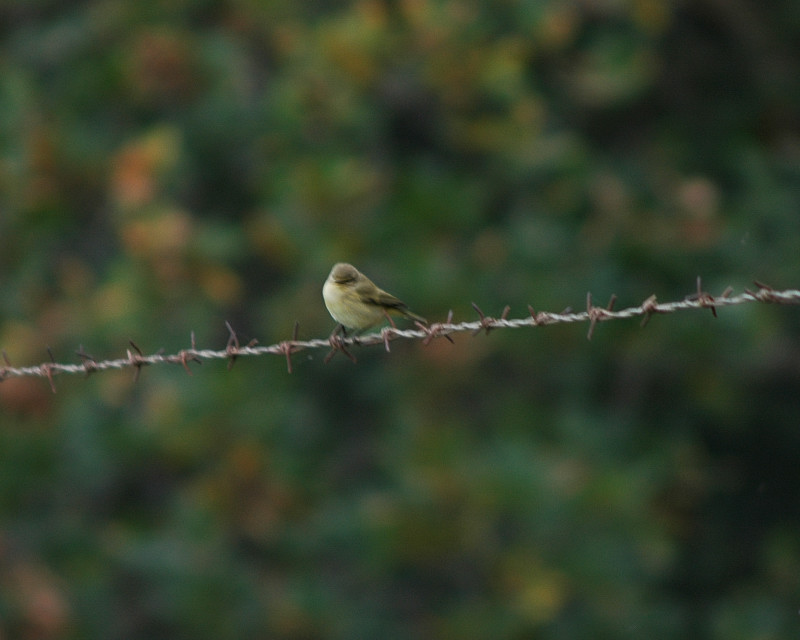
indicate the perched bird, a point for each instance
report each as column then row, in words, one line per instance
column 355, row 302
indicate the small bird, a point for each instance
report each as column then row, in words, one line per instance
column 355, row 302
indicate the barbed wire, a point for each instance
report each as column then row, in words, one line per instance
column 336, row 342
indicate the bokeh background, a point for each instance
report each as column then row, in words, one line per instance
column 169, row 165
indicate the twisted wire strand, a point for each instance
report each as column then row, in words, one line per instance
column 593, row 314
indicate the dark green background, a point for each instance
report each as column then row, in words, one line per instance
column 169, row 165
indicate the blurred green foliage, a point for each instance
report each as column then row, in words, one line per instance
column 168, row 165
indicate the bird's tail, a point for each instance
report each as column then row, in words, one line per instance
column 413, row 316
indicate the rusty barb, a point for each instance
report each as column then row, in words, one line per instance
column 339, row 341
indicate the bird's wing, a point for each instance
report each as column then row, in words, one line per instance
column 382, row 299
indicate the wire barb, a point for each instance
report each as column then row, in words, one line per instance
column 598, row 314
column 704, row 298
column 47, row 369
column 136, row 360
column 649, row 307
column 4, row 370
column 765, row 293
column 287, row 347
column 232, row 348
column 487, row 323
column 436, row 329
column 386, row 334
column 88, row 361
column 185, row 356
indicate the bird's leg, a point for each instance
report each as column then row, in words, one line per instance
column 389, row 318
column 337, row 343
